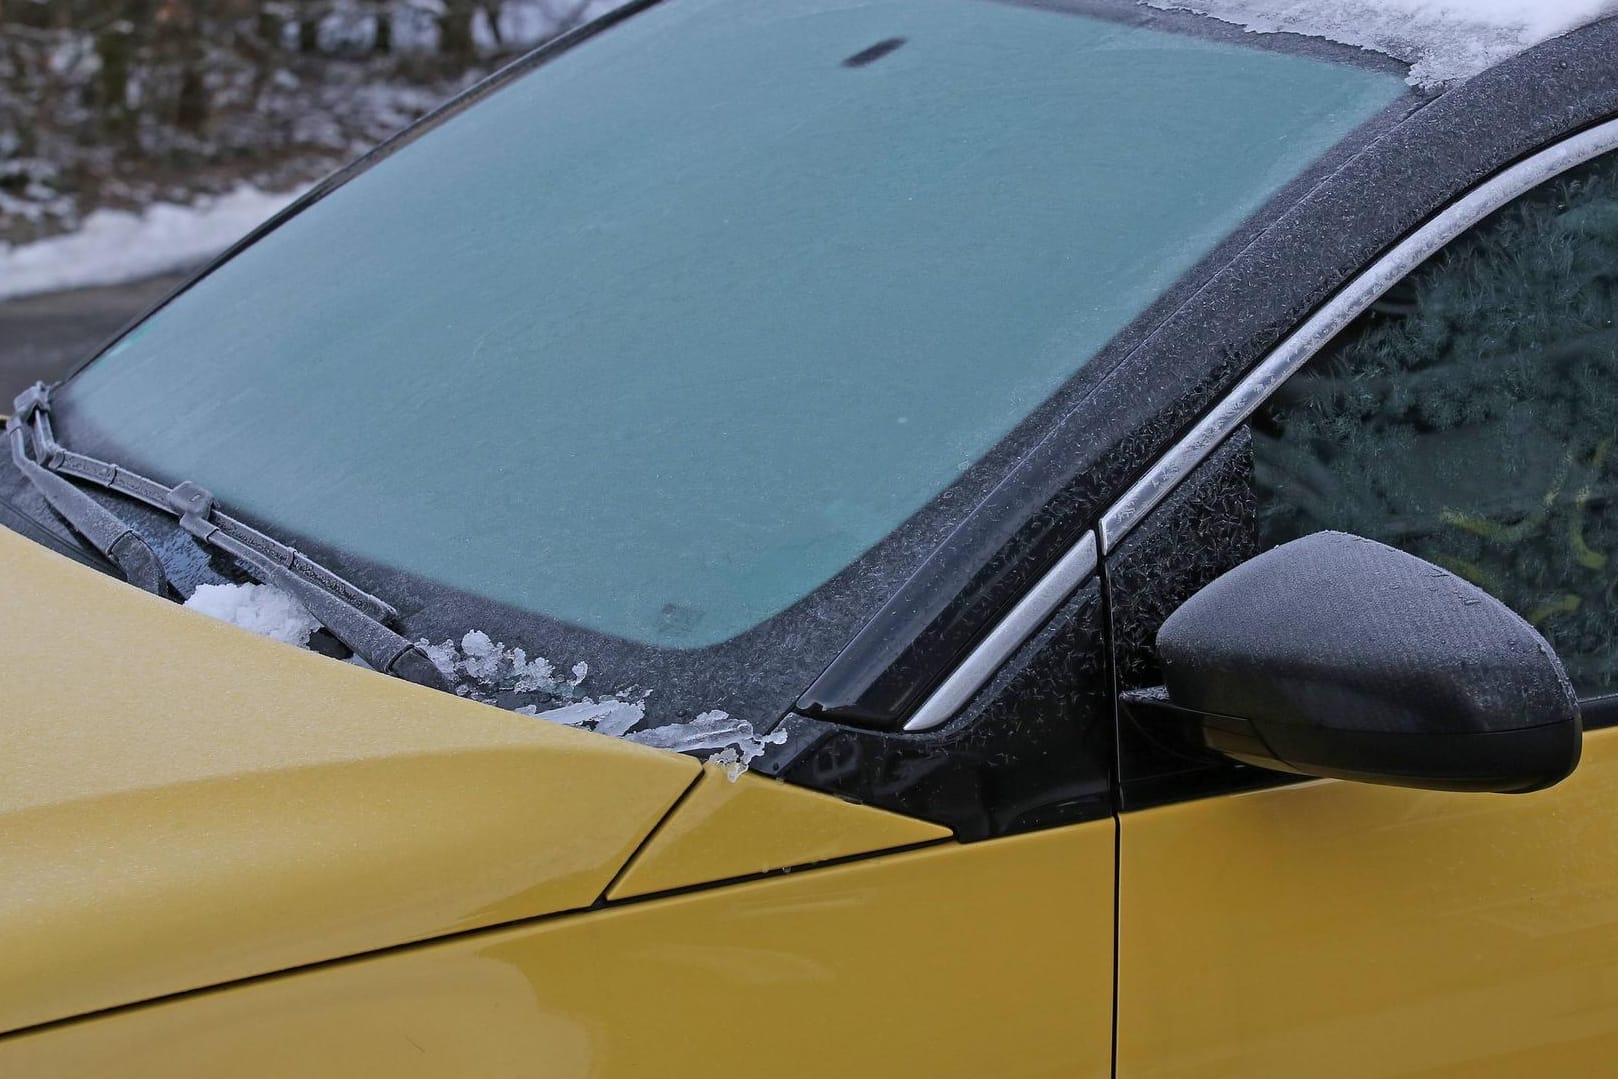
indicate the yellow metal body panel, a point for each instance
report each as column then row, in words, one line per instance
column 728, row 829
column 993, row 959
column 1341, row 929
column 182, row 803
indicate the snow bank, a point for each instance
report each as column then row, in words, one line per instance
column 1443, row 40
column 114, row 246
column 260, row 608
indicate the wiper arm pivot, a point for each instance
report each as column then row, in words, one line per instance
column 116, row 541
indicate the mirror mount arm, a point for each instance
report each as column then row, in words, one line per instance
column 1220, row 735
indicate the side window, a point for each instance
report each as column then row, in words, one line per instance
column 1469, row 419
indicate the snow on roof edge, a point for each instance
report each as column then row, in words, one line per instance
column 1443, row 41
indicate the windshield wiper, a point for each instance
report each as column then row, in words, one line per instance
column 350, row 613
column 102, row 528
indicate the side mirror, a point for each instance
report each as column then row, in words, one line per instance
column 1339, row 656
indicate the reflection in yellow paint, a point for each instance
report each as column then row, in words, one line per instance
column 949, row 962
column 1348, row 930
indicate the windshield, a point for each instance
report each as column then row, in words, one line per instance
column 665, row 332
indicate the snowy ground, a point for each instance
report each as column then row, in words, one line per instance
column 1444, row 41
column 265, row 113
column 115, row 246
column 62, row 297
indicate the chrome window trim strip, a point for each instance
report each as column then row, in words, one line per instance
column 1023, row 620
column 1079, row 563
column 1318, row 330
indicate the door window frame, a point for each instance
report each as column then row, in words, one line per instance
column 1079, row 563
column 1321, row 328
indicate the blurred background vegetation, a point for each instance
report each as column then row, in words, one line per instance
column 122, row 103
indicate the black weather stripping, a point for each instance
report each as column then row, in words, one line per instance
column 874, row 53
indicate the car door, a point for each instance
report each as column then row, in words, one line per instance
column 1274, row 926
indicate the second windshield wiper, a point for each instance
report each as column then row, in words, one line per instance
column 350, row 613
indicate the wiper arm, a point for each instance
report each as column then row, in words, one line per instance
column 119, row 543
column 350, row 613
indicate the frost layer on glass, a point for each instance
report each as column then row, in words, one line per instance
column 665, row 333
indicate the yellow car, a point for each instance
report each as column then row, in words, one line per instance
column 946, row 538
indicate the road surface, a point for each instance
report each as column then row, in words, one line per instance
column 45, row 337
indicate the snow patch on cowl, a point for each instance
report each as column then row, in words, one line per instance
column 494, row 673
column 1444, row 41
column 611, row 715
column 259, row 608
column 479, row 662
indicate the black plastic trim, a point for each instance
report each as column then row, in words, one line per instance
column 1034, row 748
column 1546, row 755
column 1542, row 754
column 1600, row 712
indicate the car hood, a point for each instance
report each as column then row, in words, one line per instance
column 184, row 804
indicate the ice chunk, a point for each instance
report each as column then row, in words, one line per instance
column 580, row 714
column 443, row 656
column 608, row 716
column 260, row 608
column 1444, row 41
column 480, row 657
column 491, row 664
column 534, row 674
column 735, row 739
column 730, row 761
column 619, row 717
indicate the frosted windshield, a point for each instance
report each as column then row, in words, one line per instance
column 663, row 334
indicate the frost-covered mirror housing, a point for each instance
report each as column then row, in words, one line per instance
column 1338, row 656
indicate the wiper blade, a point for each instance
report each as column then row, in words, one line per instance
column 350, row 613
